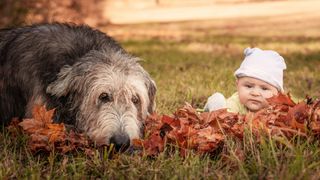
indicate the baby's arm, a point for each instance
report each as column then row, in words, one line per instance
column 215, row 101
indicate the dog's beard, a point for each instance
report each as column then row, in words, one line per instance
column 109, row 122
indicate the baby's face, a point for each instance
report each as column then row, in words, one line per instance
column 253, row 93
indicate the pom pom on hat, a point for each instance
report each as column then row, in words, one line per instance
column 266, row 65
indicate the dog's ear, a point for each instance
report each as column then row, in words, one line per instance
column 69, row 80
column 152, row 89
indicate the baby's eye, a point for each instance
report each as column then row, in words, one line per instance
column 264, row 88
column 248, row 86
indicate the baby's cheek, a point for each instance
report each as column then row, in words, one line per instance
column 268, row 94
column 242, row 98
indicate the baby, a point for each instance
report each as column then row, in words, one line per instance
column 259, row 77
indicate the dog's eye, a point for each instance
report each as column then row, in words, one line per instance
column 135, row 100
column 105, row 97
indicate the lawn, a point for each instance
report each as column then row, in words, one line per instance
column 189, row 68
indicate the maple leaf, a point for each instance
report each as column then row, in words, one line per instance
column 41, row 117
column 47, row 136
column 152, row 123
column 298, row 116
column 204, row 132
column 314, row 114
column 152, row 146
column 282, row 99
column 187, row 130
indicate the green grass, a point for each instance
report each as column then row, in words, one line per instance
column 189, row 70
column 193, row 69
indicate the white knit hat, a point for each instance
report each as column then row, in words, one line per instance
column 266, row 65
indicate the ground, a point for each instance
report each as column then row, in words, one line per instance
column 269, row 18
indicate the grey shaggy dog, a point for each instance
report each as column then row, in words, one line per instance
column 93, row 83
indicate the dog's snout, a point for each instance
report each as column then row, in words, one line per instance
column 120, row 141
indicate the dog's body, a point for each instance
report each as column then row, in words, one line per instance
column 92, row 81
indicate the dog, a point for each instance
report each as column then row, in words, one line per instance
column 91, row 81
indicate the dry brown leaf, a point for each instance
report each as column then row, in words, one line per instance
column 204, row 132
column 187, row 130
column 47, row 136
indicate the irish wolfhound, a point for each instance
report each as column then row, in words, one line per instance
column 87, row 76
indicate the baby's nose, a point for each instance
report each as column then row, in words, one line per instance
column 255, row 92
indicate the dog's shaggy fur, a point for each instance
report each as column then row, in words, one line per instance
column 88, row 77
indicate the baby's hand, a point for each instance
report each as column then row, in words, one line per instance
column 215, row 101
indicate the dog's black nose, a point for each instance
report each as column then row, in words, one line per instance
column 121, row 142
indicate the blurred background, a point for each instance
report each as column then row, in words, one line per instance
column 236, row 16
column 103, row 12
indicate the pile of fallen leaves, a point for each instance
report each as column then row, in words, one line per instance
column 205, row 132
column 187, row 130
column 44, row 135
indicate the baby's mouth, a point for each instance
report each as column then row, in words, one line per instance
column 254, row 101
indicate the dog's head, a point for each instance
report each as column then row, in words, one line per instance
column 112, row 94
